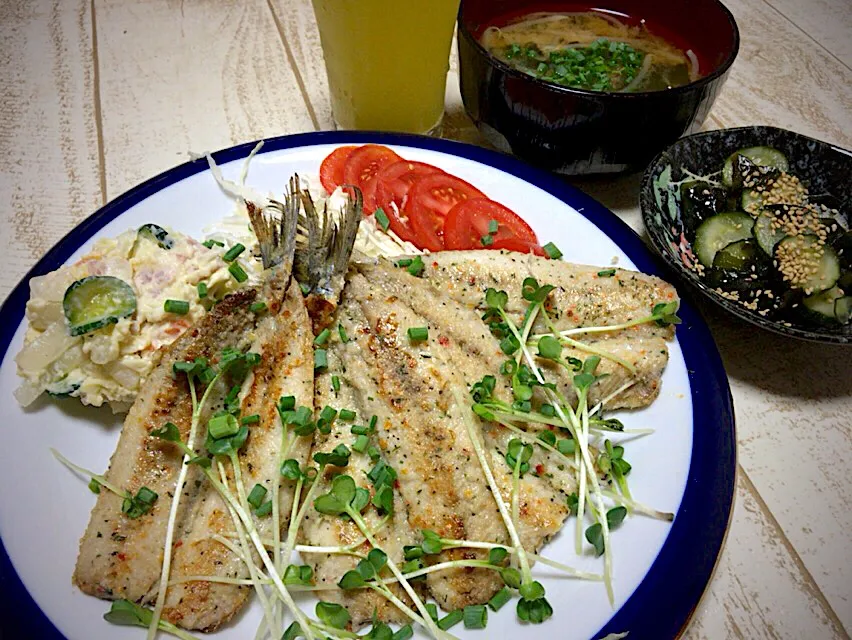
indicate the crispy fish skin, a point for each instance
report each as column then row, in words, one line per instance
column 284, row 341
column 122, row 557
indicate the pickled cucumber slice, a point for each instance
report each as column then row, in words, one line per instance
column 738, row 256
column 808, row 251
column 824, row 303
column 843, row 309
column 157, row 234
column 761, row 156
column 718, row 232
column 766, row 236
column 95, row 302
column 751, row 201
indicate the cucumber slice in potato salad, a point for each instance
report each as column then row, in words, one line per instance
column 95, row 302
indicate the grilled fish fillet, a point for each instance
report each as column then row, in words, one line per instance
column 122, row 558
column 284, row 341
column 421, row 430
column 582, row 298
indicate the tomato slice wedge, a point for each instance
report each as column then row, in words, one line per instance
column 429, row 201
column 392, row 186
column 361, row 168
column 331, row 169
column 471, row 220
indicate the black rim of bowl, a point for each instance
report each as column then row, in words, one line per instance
column 702, row 81
column 776, row 326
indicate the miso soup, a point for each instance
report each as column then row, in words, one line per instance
column 592, row 51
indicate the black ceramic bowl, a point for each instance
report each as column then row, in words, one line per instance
column 824, row 168
column 574, row 131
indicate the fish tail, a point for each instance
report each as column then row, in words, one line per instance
column 323, row 249
column 324, row 244
column 275, row 227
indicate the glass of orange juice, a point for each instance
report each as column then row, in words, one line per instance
column 387, row 61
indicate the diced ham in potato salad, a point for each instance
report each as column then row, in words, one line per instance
column 108, row 364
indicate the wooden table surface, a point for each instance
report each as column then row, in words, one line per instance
column 98, row 95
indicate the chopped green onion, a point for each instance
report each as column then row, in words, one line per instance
column 418, row 334
column 94, row 486
column 201, row 287
column 180, row 307
column 320, row 359
column 347, row 414
column 342, row 333
column 252, row 419
column 146, row 496
column 492, row 226
column 237, row 272
column 403, row 633
column 552, row 251
column 500, row 598
column 475, row 616
column 213, row 243
column 232, row 253
column 403, row 262
column 264, row 510
column 305, row 288
column 382, row 219
column 432, row 610
column 487, row 240
column 450, row 620
column 416, row 266
column 286, row 403
column 328, row 413
column 257, row 307
column 335, row 384
column 606, row 273
column 361, row 443
column 361, row 430
column 223, row 426
column 256, row 495
column 322, row 337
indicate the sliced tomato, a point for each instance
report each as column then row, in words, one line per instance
column 429, row 201
column 471, row 220
column 520, row 246
column 331, row 169
column 392, row 186
column 362, row 167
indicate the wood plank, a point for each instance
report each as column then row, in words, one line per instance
column 792, row 401
column 759, row 589
column 49, row 169
column 781, row 78
column 300, row 34
column 196, row 75
column 827, row 22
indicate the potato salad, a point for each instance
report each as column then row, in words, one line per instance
column 97, row 327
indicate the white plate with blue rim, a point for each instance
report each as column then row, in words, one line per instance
column 687, row 466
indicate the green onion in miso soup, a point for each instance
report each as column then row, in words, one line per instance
column 592, row 51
